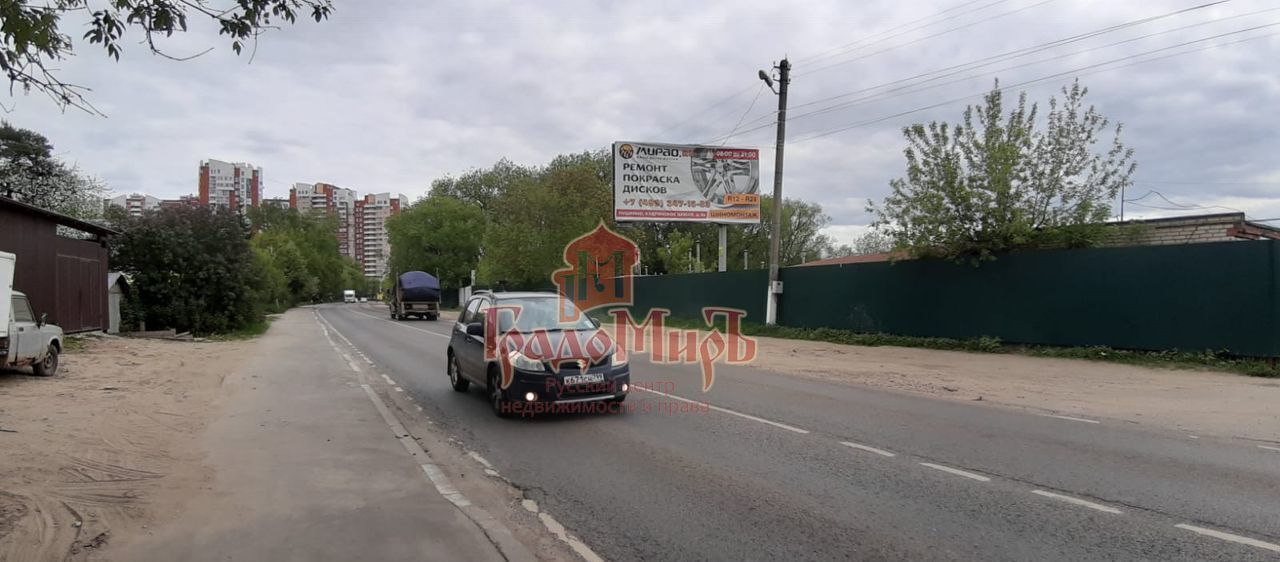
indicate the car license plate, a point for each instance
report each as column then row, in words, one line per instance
column 584, row 378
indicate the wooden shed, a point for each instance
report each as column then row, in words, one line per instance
column 62, row 275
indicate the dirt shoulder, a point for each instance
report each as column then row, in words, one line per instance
column 105, row 448
column 1221, row 404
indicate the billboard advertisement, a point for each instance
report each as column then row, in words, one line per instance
column 685, row 183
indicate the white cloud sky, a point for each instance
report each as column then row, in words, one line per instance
column 388, row 95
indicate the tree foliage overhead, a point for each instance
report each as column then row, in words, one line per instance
column 440, row 235
column 30, row 173
column 997, row 182
column 34, row 41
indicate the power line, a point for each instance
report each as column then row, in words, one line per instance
column 1017, row 53
column 926, row 38
column 744, row 114
column 1059, row 75
column 916, row 87
column 700, row 112
column 731, row 97
column 879, row 37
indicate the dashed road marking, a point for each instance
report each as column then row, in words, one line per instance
column 1230, row 537
column 726, row 410
column 880, row 452
column 1069, row 418
column 956, row 472
column 388, row 379
column 1077, row 501
column 1269, row 448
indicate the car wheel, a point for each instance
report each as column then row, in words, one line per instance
column 49, row 366
column 497, row 398
column 455, row 376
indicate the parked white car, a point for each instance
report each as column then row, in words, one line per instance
column 25, row 339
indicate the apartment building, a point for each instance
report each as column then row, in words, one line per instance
column 372, row 247
column 134, row 204
column 233, row 186
column 362, row 221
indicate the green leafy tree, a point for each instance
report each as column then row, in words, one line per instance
column 30, row 173
column 34, row 42
column 304, row 248
column 192, row 270
column 537, row 217
column 483, row 187
column 440, row 235
column 998, row 182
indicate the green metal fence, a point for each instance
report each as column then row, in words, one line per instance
column 1220, row 296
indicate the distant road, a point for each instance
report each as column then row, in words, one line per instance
column 785, row 468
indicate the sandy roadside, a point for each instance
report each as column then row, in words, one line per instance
column 1197, row 402
column 97, row 453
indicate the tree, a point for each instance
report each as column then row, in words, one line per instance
column 998, row 182
column 872, row 241
column 537, row 217
column 440, row 235
column 30, row 173
column 33, row 40
column 191, row 269
column 483, row 187
column 304, row 248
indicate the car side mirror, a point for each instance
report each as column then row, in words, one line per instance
column 44, row 317
column 475, row 329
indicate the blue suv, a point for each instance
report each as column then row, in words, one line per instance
column 552, row 381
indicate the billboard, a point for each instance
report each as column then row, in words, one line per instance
column 685, row 183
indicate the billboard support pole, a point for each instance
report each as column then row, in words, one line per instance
column 775, row 287
column 724, row 248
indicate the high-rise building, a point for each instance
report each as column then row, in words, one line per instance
column 230, row 185
column 372, row 247
column 134, row 204
column 329, row 198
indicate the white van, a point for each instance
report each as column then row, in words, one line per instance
column 349, row 295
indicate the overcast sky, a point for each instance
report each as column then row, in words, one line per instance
column 389, row 95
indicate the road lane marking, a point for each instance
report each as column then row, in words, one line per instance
column 956, row 471
column 501, row 537
column 880, row 452
column 1077, row 501
column 388, row 379
column 1269, row 448
column 726, row 410
column 395, row 323
column 1230, row 537
column 1069, row 418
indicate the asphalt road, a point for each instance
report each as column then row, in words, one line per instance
column 793, row 469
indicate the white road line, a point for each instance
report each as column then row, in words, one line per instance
column 395, row 323
column 1069, row 418
column 388, row 379
column 1230, row 537
column 956, row 471
column 1269, row 448
column 880, row 452
column 502, row 537
column 1077, row 501
column 726, row 410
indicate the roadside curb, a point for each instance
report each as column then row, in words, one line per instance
column 498, row 534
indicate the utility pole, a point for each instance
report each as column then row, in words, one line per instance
column 775, row 286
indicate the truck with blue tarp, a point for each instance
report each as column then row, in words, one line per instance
column 416, row 294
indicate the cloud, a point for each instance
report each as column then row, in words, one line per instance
column 387, row 96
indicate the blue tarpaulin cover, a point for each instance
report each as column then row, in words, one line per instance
column 419, row 286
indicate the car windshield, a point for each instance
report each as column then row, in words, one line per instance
column 540, row 313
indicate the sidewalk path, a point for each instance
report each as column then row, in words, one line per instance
column 307, row 469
